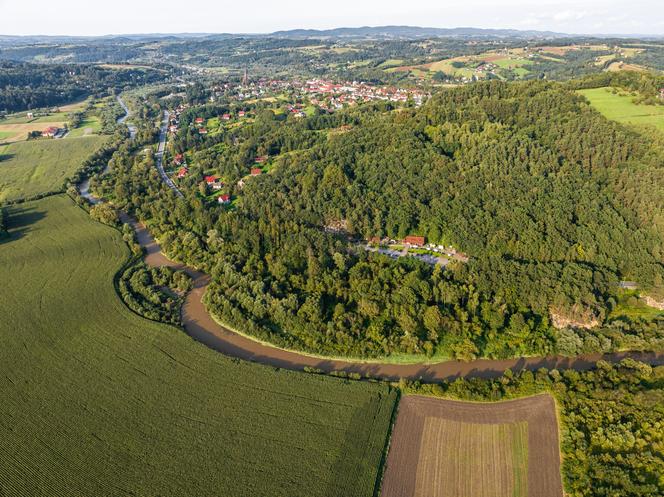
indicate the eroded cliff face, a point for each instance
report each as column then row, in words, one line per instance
column 653, row 302
column 575, row 317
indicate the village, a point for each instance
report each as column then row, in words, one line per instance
column 298, row 99
column 325, row 94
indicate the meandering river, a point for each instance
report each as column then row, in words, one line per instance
column 199, row 324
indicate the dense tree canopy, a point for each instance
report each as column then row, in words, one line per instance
column 525, row 178
column 32, row 86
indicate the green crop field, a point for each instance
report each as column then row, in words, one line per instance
column 621, row 108
column 97, row 401
column 39, row 166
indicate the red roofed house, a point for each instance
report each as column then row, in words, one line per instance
column 241, row 113
column 260, row 159
column 199, row 120
column 226, row 117
column 178, row 159
column 256, row 171
column 414, row 241
column 182, row 172
column 211, row 179
column 202, row 131
column 51, row 131
column 224, row 199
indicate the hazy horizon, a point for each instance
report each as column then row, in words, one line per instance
column 74, row 18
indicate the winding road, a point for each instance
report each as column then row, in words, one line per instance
column 199, row 324
column 163, row 133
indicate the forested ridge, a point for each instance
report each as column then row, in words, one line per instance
column 31, row 86
column 553, row 203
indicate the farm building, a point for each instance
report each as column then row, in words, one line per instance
column 182, row 172
column 256, row 171
column 51, row 131
column 224, row 199
column 414, row 241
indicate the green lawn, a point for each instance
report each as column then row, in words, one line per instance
column 90, row 125
column 507, row 62
column 40, row 166
column 621, row 108
column 97, row 401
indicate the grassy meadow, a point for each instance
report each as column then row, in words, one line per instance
column 621, row 108
column 99, row 401
column 39, row 166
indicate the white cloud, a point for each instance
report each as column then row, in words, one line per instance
column 566, row 15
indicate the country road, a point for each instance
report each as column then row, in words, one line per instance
column 163, row 133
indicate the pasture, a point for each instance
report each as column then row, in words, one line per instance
column 90, row 125
column 17, row 132
column 40, row 166
column 513, row 60
column 620, row 107
column 97, row 401
column 16, row 127
column 445, row 448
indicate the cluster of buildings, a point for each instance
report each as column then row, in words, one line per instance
column 430, row 253
column 180, row 161
column 323, row 93
column 355, row 92
column 174, row 119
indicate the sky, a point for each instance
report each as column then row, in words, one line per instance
column 85, row 17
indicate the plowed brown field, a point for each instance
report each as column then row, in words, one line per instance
column 446, row 448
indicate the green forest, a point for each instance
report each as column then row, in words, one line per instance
column 33, row 86
column 553, row 203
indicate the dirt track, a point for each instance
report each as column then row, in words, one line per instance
column 400, row 478
column 199, row 324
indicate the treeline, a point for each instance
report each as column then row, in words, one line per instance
column 3, row 223
column 611, row 418
column 525, row 178
column 33, row 86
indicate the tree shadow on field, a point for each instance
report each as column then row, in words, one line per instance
column 352, row 462
column 3, row 158
column 19, row 220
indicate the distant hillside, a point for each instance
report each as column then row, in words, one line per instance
column 414, row 32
